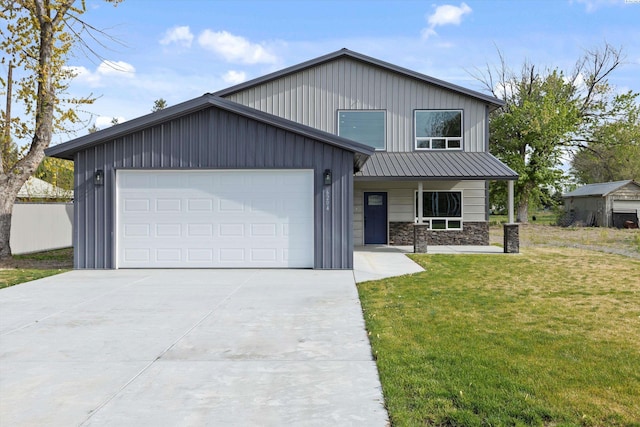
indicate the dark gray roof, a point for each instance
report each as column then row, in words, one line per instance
column 440, row 165
column 68, row 149
column 491, row 100
column 599, row 189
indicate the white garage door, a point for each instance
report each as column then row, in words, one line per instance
column 204, row 219
column 626, row 205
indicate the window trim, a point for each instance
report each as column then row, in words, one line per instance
column 429, row 220
column 430, row 139
column 359, row 110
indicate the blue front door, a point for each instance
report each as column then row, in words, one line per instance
column 375, row 218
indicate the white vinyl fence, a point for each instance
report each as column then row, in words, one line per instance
column 39, row 227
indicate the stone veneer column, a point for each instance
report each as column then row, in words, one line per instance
column 420, row 238
column 511, row 238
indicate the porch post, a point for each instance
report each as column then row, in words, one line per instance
column 420, row 202
column 510, row 202
column 511, row 230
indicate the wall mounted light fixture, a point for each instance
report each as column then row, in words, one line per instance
column 327, row 177
column 98, row 177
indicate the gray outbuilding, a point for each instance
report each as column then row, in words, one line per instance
column 607, row 204
column 211, row 183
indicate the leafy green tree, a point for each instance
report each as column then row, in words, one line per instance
column 604, row 163
column 547, row 115
column 611, row 151
column 58, row 172
column 36, row 38
column 539, row 115
column 159, row 104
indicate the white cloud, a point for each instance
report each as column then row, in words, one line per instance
column 106, row 69
column 593, row 5
column 445, row 15
column 103, row 122
column 235, row 48
column 233, row 77
column 84, row 75
column 180, row 35
column 117, row 68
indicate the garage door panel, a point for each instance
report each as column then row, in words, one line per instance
column 168, row 205
column 626, row 205
column 215, row 219
column 200, row 255
column 200, row 205
column 200, row 230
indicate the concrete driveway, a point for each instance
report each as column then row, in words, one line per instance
column 187, row 348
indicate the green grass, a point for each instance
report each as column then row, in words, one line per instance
column 21, row 275
column 35, row 266
column 62, row 255
column 550, row 337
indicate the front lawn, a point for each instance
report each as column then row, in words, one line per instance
column 550, row 337
column 24, row 268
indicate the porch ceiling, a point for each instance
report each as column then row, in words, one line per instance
column 435, row 165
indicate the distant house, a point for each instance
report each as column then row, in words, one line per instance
column 35, row 189
column 606, row 204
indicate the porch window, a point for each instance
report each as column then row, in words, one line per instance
column 441, row 210
column 438, row 129
column 364, row 126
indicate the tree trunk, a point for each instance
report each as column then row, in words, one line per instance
column 6, row 207
column 524, row 195
column 523, row 212
column 12, row 178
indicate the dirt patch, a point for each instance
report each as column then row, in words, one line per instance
column 624, row 242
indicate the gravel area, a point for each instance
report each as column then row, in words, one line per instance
column 609, row 240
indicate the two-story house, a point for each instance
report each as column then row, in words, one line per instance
column 288, row 170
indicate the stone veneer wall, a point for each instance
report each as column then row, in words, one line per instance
column 511, row 238
column 473, row 233
column 401, row 233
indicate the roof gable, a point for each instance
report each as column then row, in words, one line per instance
column 346, row 53
column 600, row 189
column 68, row 149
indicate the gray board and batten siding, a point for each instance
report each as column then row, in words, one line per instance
column 312, row 93
column 211, row 133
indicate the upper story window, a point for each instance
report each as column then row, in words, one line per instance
column 438, row 129
column 364, row 126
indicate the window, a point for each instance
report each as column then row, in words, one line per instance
column 441, row 210
column 438, row 129
column 364, row 126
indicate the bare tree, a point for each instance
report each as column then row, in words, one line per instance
column 547, row 114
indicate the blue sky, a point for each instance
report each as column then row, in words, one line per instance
column 181, row 49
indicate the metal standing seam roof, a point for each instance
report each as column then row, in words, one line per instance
column 68, row 149
column 600, row 189
column 490, row 99
column 435, row 165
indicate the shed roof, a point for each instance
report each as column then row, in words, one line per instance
column 39, row 189
column 435, row 165
column 68, row 149
column 600, row 189
column 493, row 102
